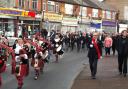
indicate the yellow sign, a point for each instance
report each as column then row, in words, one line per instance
column 53, row 17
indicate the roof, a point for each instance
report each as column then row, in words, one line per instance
column 104, row 6
column 89, row 3
column 86, row 3
column 65, row 1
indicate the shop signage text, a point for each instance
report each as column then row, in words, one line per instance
column 53, row 17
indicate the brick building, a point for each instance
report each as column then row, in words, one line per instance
column 122, row 6
column 65, row 15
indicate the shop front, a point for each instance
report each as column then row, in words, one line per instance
column 96, row 25
column 10, row 20
column 69, row 24
column 52, row 21
column 83, row 24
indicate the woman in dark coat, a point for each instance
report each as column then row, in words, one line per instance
column 122, row 48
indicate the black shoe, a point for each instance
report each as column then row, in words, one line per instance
column 93, row 77
column 120, row 73
column 19, row 87
column 124, row 75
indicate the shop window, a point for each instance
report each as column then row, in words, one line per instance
column 21, row 3
column 51, row 6
column 34, row 4
column 7, row 27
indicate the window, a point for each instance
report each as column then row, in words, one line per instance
column 44, row 5
column 34, row 4
column 69, row 9
column 21, row 3
column 28, row 4
column 95, row 13
column 108, row 15
column 51, row 6
column 83, row 11
column 103, row 14
column 57, row 7
column 113, row 15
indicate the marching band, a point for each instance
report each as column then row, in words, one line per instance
column 35, row 51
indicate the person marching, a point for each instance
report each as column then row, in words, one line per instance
column 2, row 64
column 122, row 49
column 94, row 54
column 37, row 64
column 57, row 48
column 21, row 59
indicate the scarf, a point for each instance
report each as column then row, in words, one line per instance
column 97, row 48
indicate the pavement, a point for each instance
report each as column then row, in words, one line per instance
column 56, row 75
column 107, row 76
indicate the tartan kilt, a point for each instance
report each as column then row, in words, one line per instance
column 21, row 70
column 40, row 63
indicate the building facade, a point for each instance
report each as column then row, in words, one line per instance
column 66, row 15
column 122, row 6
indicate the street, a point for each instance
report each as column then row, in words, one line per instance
column 56, row 75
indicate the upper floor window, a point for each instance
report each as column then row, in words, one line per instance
column 57, row 7
column 21, row 3
column 83, row 11
column 51, row 6
column 108, row 15
column 44, row 5
column 95, row 13
column 34, row 4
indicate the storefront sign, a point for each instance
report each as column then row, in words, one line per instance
column 7, row 11
column 84, row 20
column 16, row 12
column 53, row 17
column 70, row 21
column 96, row 24
column 109, row 23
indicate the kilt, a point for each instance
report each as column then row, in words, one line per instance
column 40, row 63
column 21, row 70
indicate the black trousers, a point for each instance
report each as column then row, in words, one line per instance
column 113, row 49
column 93, row 65
column 122, row 63
column 107, row 50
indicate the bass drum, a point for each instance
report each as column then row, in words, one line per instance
column 59, row 48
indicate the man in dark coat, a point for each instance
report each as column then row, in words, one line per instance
column 122, row 48
column 94, row 54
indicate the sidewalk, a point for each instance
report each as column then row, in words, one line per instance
column 107, row 76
